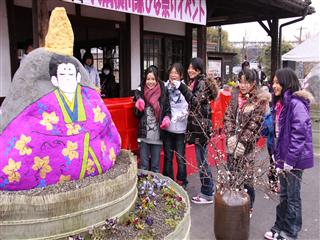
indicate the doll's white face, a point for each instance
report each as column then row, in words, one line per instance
column 67, row 78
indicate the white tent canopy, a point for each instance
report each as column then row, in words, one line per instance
column 308, row 51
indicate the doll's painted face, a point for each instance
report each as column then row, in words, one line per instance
column 151, row 81
column 67, row 78
column 244, row 85
column 276, row 87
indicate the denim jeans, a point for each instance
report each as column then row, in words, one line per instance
column 147, row 152
column 289, row 217
column 175, row 142
column 206, row 179
column 234, row 166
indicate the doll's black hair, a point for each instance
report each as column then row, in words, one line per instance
column 59, row 59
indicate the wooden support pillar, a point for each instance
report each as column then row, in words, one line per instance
column 40, row 19
column 202, row 44
column 125, row 57
column 12, row 39
column 188, row 45
column 274, row 30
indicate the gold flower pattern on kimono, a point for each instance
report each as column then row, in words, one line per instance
column 21, row 145
column 112, row 155
column 72, row 128
column 42, row 165
column 98, row 115
column 48, row 119
column 70, row 150
column 103, row 147
column 64, row 178
column 90, row 166
column 12, row 170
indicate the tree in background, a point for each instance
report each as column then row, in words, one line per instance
column 213, row 37
column 265, row 58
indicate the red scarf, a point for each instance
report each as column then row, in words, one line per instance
column 152, row 98
column 191, row 86
column 242, row 100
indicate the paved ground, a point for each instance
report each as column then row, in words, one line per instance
column 264, row 210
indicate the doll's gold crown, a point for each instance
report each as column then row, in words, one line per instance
column 60, row 37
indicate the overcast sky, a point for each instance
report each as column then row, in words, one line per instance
column 254, row 32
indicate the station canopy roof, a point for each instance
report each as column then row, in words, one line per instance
column 222, row 12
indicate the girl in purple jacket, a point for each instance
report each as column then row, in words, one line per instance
column 293, row 150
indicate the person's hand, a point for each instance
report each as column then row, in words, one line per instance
column 287, row 167
column 231, row 143
column 165, row 123
column 140, row 104
column 176, row 83
column 239, row 150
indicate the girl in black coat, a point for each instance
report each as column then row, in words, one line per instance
column 152, row 107
column 199, row 129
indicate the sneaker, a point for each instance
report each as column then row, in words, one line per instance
column 271, row 234
column 200, row 200
column 279, row 237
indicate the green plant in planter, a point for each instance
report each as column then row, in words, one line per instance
column 143, row 222
column 173, row 222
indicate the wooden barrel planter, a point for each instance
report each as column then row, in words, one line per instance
column 231, row 215
column 59, row 215
column 182, row 230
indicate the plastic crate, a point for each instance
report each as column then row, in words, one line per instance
column 218, row 108
column 121, row 110
column 192, row 165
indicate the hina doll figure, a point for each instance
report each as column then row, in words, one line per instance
column 65, row 134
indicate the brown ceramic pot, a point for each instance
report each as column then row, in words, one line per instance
column 231, row 215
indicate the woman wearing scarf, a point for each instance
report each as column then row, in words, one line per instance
column 152, row 107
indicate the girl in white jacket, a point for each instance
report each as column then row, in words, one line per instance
column 92, row 71
column 174, row 137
